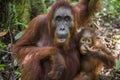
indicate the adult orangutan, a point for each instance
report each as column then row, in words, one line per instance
column 35, row 48
column 53, row 29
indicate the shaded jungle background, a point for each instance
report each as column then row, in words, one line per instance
column 16, row 14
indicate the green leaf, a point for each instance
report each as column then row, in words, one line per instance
column 15, row 63
column 107, row 24
column 19, row 78
column 19, row 23
column 18, row 35
column 17, row 72
column 2, row 46
column 118, row 64
column 2, row 65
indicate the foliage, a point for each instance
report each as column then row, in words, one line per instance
column 110, row 8
column 2, row 46
column 37, row 7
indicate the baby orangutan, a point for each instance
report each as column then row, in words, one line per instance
column 94, row 55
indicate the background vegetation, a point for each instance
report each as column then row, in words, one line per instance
column 14, row 18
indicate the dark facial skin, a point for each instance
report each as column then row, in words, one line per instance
column 62, row 23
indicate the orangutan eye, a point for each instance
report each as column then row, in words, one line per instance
column 89, row 41
column 67, row 18
column 82, row 40
column 58, row 18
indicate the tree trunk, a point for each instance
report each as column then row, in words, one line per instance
column 37, row 7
